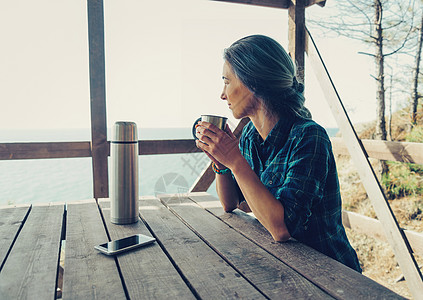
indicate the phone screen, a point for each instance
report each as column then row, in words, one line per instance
column 124, row 244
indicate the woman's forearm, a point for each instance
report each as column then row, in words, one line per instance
column 226, row 190
column 267, row 209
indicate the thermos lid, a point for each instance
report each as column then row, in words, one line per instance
column 125, row 132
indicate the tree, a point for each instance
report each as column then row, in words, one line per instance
column 380, row 73
column 385, row 26
column 415, row 80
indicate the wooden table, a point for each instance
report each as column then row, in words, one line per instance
column 201, row 252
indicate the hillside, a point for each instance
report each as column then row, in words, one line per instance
column 376, row 257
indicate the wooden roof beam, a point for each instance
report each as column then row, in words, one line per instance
column 274, row 3
column 318, row 2
column 266, row 3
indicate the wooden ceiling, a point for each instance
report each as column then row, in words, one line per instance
column 276, row 3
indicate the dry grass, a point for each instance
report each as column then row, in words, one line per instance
column 378, row 262
column 376, row 257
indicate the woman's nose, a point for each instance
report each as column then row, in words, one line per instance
column 223, row 96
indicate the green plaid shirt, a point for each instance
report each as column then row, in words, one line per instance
column 297, row 166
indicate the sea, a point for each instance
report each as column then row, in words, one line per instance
column 66, row 180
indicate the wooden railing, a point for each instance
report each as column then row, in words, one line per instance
column 384, row 150
column 373, row 228
column 10, row 151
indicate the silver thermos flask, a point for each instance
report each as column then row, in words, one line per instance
column 124, row 173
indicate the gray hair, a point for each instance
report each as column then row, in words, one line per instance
column 265, row 68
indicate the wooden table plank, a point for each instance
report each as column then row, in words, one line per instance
column 88, row 274
column 270, row 275
column 207, row 273
column 147, row 271
column 330, row 275
column 11, row 220
column 30, row 271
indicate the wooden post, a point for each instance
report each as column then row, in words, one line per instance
column 296, row 35
column 99, row 146
column 394, row 234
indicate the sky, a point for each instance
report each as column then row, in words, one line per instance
column 163, row 62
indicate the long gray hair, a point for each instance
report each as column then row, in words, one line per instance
column 265, row 68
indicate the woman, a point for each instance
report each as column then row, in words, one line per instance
column 282, row 168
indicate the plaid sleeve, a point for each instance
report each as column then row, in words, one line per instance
column 242, row 146
column 305, row 177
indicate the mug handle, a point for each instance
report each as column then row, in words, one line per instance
column 194, row 130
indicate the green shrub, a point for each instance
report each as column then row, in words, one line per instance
column 403, row 180
column 416, row 168
column 416, row 135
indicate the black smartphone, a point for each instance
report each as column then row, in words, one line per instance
column 125, row 244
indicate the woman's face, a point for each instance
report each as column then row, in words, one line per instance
column 240, row 99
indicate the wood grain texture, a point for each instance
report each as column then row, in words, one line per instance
column 147, row 271
column 296, row 35
column 331, row 276
column 147, row 147
column 31, row 269
column 10, row 151
column 385, row 150
column 271, row 276
column 99, row 144
column 88, row 274
column 209, row 276
column 11, row 221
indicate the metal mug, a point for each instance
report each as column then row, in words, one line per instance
column 218, row 121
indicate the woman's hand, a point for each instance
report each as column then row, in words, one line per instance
column 220, row 146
